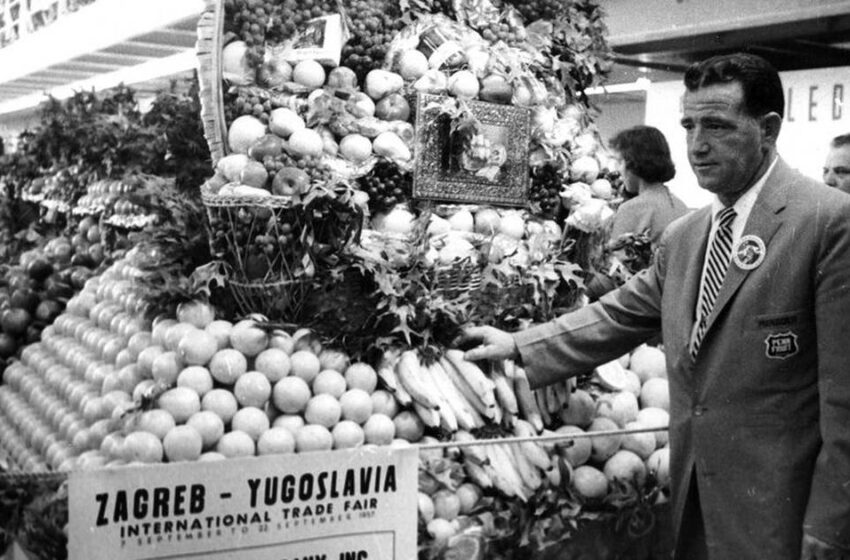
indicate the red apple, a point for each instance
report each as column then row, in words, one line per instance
column 290, row 181
column 393, row 107
column 342, row 77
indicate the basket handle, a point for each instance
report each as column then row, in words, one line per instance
column 208, row 48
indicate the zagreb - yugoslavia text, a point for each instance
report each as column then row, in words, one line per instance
column 355, row 486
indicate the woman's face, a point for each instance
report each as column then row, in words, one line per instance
column 630, row 182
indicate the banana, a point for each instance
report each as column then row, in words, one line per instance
column 509, row 367
column 478, row 474
column 464, row 389
column 554, row 476
column 562, row 394
column 504, row 477
column 525, row 399
column 505, row 393
column 480, row 383
column 476, row 453
column 387, row 374
column 503, row 463
column 532, row 450
column 447, row 414
column 552, row 402
column 528, row 472
column 452, row 397
column 430, row 416
column 540, row 399
column 409, row 373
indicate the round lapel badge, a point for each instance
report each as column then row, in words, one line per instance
column 749, row 252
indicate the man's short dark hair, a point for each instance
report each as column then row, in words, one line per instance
column 645, row 152
column 841, row 140
column 759, row 80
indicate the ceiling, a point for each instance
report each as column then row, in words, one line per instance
column 811, row 40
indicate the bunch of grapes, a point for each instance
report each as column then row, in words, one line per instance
column 546, row 184
column 373, row 28
column 504, row 32
column 386, row 186
column 291, row 15
column 238, row 103
column 318, row 171
column 248, row 19
column 532, row 10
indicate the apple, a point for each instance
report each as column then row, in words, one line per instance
column 290, row 181
column 234, row 64
column 268, row 145
column 360, row 105
column 355, row 147
column 487, row 221
column 342, row 77
column 244, row 132
column 412, row 64
column 284, row 121
column 462, row 220
column 464, row 83
column 254, row 174
column 382, row 82
column 433, row 81
column 309, row 73
column 392, row 107
column 306, row 142
column 274, row 73
column 496, row 89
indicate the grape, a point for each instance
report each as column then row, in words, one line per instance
column 386, row 186
column 377, row 23
column 533, row 10
column 546, row 184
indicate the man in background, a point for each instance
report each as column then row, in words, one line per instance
column 836, row 170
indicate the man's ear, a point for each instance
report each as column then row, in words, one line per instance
column 771, row 123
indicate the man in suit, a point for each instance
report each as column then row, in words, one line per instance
column 756, row 347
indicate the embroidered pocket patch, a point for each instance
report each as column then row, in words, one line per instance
column 781, row 345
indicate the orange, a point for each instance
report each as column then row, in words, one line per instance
column 197, row 347
column 408, row 426
column 329, row 381
column 180, row 402
column 252, row 389
column 379, row 429
column 166, row 367
column 469, row 494
column 227, row 365
column 236, row 444
column 385, row 403
column 446, row 504
column 197, row 378
column 323, row 410
column 220, row 331
column 589, row 482
column 251, row 420
column 425, row 505
column 292, row 422
column 655, row 393
column 182, row 443
column 625, row 466
column 360, row 375
column 604, row 446
column 273, row 363
column 248, row 338
column 276, row 441
column 222, row 403
column 291, row 395
column 143, row 447
column 356, row 405
column 157, row 422
column 305, row 365
column 348, row 434
column 313, row 437
column 209, row 425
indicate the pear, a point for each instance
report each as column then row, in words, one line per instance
column 390, row 145
column 231, row 166
column 496, row 89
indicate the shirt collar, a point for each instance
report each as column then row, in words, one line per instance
column 746, row 201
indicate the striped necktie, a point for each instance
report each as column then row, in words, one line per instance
column 719, row 254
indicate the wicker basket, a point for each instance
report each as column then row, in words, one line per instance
column 208, row 47
column 460, row 278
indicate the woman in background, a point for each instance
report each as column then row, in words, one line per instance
column 644, row 162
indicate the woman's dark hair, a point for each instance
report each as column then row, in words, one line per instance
column 645, row 153
column 762, row 88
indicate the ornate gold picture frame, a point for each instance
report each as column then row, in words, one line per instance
column 470, row 151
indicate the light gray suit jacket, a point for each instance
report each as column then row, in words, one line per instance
column 762, row 416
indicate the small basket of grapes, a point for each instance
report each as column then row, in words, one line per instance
column 277, row 247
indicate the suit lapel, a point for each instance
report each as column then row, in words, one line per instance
column 763, row 222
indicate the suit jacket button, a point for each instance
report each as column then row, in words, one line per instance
column 699, row 410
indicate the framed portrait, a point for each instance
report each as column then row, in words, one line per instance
column 470, row 151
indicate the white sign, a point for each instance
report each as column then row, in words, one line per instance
column 339, row 505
